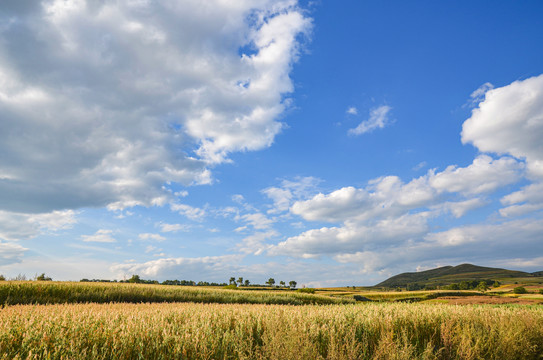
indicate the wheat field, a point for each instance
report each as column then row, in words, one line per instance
column 242, row 331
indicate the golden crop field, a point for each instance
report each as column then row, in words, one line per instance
column 248, row 331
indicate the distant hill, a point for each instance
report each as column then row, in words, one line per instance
column 452, row 274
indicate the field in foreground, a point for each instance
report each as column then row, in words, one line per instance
column 237, row 331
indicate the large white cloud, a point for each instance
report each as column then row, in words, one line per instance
column 102, row 103
column 510, row 121
column 390, row 214
column 390, row 196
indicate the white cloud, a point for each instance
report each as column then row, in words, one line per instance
column 390, row 211
column 18, row 226
column 173, row 227
column 102, row 102
column 258, row 220
column 460, row 208
column 378, row 120
column 389, row 196
column 192, row 213
column 256, row 243
column 353, row 237
column 210, row 268
column 149, row 236
column 510, row 121
column 102, row 236
column 289, row 191
column 11, row 253
column 526, row 200
column 56, row 220
column 479, row 95
column 482, row 176
column 352, row 110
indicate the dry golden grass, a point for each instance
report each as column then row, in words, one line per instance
column 234, row 331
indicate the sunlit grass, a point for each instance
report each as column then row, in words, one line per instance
column 234, row 331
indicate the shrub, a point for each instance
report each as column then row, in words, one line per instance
column 306, row 290
column 520, row 290
column 541, row 291
column 2, row 278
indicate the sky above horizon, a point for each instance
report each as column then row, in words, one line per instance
column 330, row 143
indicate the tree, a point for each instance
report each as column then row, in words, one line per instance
column 482, row 286
column 247, row 282
column 42, row 277
column 232, row 281
column 271, row 281
column 292, row 284
column 520, row 290
column 240, row 281
column 282, row 283
column 135, row 279
column 2, row 278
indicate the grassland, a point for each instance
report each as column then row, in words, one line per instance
column 238, row 331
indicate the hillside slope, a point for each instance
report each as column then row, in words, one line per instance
column 451, row 274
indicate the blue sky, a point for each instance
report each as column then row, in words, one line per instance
column 331, row 143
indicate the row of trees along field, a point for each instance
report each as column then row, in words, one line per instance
column 136, row 279
column 271, row 282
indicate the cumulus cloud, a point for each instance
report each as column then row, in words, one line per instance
column 482, row 176
column 102, row 103
column 378, row 120
column 390, row 213
column 390, row 196
column 510, row 121
column 353, row 236
column 101, row 236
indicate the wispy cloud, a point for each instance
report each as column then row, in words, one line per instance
column 352, row 110
column 378, row 120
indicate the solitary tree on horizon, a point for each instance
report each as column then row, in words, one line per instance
column 292, row 284
column 271, row 281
